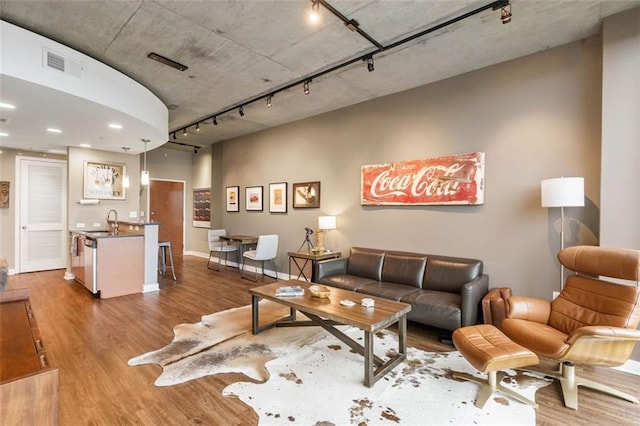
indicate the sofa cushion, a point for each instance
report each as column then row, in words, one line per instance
column 387, row 290
column 404, row 269
column 366, row 263
column 450, row 273
column 346, row 282
column 437, row 308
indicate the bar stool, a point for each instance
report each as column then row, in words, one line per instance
column 162, row 252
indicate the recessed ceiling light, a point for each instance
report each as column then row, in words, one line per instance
column 6, row 105
column 4, row 134
column 85, row 145
column 115, row 126
column 53, row 130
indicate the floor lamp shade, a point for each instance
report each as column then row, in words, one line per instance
column 563, row 192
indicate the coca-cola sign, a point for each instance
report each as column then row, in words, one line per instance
column 456, row 179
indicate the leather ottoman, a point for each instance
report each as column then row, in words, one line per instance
column 488, row 350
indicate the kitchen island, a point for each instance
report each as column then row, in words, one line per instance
column 111, row 264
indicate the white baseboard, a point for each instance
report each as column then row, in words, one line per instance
column 196, row 253
column 147, row 288
column 630, row 366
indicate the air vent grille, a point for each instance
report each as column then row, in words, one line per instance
column 54, row 61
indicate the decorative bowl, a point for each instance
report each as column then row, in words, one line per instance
column 319, row 291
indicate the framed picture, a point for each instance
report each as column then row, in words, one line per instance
column 253, row 198
column 202, row 208
column 233, row 195
column 278, row 197
column 306, row 195
column 104, row 181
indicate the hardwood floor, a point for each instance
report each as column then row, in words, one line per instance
column 90, row 341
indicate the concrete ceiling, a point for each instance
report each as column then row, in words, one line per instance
column 239, row 50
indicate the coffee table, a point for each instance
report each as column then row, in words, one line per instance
column 328, row 313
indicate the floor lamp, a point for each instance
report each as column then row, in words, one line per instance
column 562, row 192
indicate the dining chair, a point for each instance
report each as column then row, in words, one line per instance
column 216, row 245
column 266, row 249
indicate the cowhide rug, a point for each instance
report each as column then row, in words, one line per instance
column 308, row 377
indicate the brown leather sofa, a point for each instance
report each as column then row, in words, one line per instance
column 443, row 292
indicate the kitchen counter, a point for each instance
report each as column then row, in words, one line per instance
column 109, row 264
column 107, row 234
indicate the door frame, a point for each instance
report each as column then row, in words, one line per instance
column 184, row 207
column 17, row 213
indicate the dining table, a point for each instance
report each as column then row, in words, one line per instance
column 241, row 241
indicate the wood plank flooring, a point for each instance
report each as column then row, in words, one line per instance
column 90, row 341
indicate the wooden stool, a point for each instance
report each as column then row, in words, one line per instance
column 488, row 350
column 162, row 247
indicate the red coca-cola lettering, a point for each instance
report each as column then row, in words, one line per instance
column 443, row 180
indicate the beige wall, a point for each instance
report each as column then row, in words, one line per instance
column 92, row 215
column 620, row 176
column 621, row 130
column 174, row 165
column 535, row 117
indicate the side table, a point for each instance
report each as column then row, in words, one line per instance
column 302, row 259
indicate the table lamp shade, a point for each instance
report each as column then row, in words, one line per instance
column 326, row 222
column 563, row 192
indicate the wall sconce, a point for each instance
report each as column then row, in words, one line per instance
column 325, row 223
column 144, row 177
column 562, row 192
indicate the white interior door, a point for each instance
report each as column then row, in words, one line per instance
column 42, row 211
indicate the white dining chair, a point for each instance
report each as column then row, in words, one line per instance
column 266, row 249
column 217, row 246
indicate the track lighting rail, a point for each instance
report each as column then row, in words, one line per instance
column 367, row 57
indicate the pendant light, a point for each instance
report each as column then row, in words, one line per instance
column 125, row 176
column 144, row 178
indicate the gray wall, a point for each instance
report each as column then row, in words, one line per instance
column 173, row 165
column 96, row 214
column 621, row 133
column 535, row 117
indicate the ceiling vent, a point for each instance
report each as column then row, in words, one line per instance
column 57, row 62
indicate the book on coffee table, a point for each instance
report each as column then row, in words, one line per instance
column 289, row 291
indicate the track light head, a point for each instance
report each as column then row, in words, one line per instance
column 269, row 98
column 305, row 87
column 370, row 65
column 314, row 14
column 195, row 149
column 174, row 136
column 505, row 14
column 197, row 127
column 215, row 120
column 184, row 132
column 241, row 111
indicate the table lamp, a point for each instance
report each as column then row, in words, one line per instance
column 324, row 224
column 562, row 192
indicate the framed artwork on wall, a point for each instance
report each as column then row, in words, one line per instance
column 202, row 208
column 306, row 195
column 278, row 197
column 451, row 180
column 233, row 195
column 103, row 181
column 253, row 198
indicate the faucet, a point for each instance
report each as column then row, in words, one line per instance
column 116, row 221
